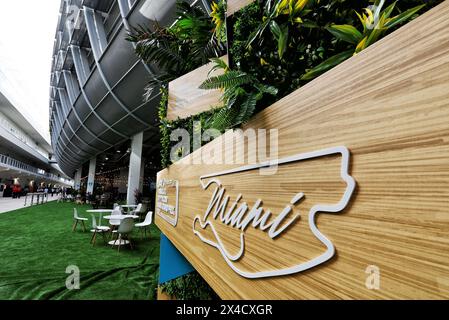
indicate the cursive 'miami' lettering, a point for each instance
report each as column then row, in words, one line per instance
column 239, row 216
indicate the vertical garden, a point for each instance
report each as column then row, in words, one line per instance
column 274, row 47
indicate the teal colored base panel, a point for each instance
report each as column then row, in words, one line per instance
column 173, row 263
column 37, row 245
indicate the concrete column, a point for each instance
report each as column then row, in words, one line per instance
column 142, row 172
column 135, row 163
column 91, row 177
column 78, row 179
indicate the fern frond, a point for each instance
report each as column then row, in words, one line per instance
column 247, row 109
column 267, row 89
column 227, row 80
column 224, row 119
column 219, row 64
column 151, row 50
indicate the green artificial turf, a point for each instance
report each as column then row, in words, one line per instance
column 37, row 245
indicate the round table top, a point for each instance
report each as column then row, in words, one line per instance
column 120, row 217
column 100, row 211
column 129, row 206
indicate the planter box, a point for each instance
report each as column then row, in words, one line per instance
column 186, row 99
column 236, row 5
column 382, row 119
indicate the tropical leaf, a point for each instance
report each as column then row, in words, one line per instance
column 247, row 108
column 280, row 33
column 229, row 79
column 155, row 50
column 406, row 15
column 327, row 65
column 219, row 64
column 346, row 33
column 224, row 119
column 267, row 89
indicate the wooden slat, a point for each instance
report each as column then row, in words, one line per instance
column 185, row 97
column 163, row 296
column 389, row 105
column 236, row 5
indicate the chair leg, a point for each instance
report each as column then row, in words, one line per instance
column 119, row 242
column 93, row 239
column 130, row 242
column 84, row 226
column 93, row 236
column 105, row 239
column 74, row 225
column 116, row 239
column 112, row 233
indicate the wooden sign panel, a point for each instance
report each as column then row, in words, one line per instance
column 186, row 98
column 361, row 190
column 236, row 5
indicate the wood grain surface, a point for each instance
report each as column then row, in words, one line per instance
column 186, row 99
column 389, row 105
column 236, row 5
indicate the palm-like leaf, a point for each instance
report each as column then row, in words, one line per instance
column 230, row 79
column 177, row 50
column 247, row 109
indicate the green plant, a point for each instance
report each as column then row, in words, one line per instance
column 241, row 92
column 287, row 43
column 177, row 49
column 164, row 128
column 276, row 44
column 189, row 287
column 376, row 23
column 218, row 16
column 294, row 12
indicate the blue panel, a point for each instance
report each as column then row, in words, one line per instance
column 172, row 263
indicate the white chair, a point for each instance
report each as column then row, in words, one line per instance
column 78, row 219
column 115, row 212
column 96, row 229
column 136, row 211
column 146, row 223
column 124, row 230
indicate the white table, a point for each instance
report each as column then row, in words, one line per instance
column 121, row 217
column 100, row 211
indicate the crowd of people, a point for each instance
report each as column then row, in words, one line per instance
column 16, row 190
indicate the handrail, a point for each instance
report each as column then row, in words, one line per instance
column 19, row 165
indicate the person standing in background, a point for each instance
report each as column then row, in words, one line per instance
column 19, row 191
column 14, row 191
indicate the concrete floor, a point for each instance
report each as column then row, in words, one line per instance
column 10, row 204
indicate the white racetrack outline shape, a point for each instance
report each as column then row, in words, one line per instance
column 330, row 249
